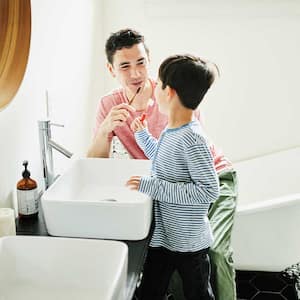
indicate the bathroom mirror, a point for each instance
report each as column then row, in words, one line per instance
column 15, row 31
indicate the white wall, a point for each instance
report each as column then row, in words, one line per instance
column 253, row 109
column 65, row 58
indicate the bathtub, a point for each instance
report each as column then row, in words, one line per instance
column 267, row 224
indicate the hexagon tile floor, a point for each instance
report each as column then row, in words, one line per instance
column 253, row 285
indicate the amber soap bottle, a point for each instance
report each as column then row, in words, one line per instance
column 27, row 195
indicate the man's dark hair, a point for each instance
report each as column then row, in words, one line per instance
column 124, row 38
column 189, row 76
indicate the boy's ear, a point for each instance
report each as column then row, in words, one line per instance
column 170, row 92
column 111, row 69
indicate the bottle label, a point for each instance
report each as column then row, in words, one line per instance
column 28, row 201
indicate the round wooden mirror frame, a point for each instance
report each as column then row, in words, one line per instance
column 15, row 31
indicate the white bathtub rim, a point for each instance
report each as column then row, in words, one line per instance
column 269, row 204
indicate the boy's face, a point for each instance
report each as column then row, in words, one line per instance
column 130, row 67
column 161, row 97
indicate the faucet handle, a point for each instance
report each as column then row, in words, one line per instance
column 57, row 125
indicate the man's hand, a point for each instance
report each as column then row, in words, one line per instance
column 134, row 182
column 116, row 117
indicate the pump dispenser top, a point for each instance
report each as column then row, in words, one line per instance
column 26, row 173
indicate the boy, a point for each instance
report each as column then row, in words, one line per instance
column 128, row 62
column 183, row 183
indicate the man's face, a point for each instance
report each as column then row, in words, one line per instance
column 130, row 67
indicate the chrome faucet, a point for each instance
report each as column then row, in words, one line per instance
column 46, row 145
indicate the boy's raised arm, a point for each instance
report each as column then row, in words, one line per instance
column 146, row 142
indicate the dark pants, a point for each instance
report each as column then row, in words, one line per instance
column 193, row 267
column 221, row 216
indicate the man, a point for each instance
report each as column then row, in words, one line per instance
column 128, row 61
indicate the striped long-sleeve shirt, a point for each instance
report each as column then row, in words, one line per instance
column 182, row 185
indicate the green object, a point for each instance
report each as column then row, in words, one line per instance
column 221, row 215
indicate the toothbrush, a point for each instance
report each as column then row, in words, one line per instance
column 144, row 114
column 143, row 117
column 137, row 91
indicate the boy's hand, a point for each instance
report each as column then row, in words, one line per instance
column 137, row 125
column 134, row 182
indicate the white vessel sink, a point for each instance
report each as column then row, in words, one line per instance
column 91, row 200
column 35, row 268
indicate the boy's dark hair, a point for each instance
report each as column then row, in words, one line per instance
column 124, row 38
column 189, row 76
